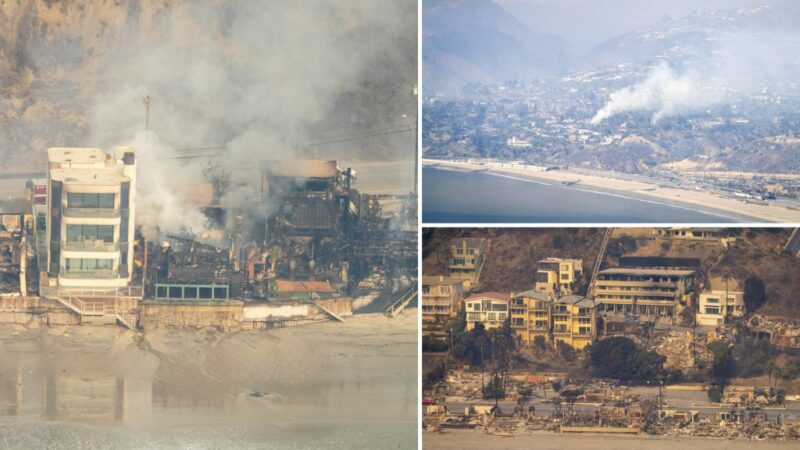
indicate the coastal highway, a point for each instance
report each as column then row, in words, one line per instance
column 681, row 400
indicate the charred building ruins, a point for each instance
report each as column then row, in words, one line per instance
column 307, row 224
column 307, row 247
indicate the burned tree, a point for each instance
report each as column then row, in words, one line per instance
column 220, row 179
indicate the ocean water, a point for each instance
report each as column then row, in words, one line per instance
column 453, row 196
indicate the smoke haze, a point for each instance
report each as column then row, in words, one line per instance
column 248, row 81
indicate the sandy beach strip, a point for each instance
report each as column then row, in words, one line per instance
column 606, row 182
column 478, row 439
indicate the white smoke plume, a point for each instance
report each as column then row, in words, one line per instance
column 247, row 81
column 663, row 92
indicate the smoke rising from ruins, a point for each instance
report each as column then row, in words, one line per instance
column 250, row 81
column 736, row 65
column 663, row 92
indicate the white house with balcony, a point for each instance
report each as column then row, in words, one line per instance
column 90, row 217
column 725, row 298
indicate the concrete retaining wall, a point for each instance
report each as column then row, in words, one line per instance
column 34, row 311
column 223, row 316
column 342, row 306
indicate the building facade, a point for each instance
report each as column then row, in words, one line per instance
column 441, row 298
column 466, row 260
column 724, row 298
column 693, row 234
column 489, row 308
column 531, row 313
column 651, row 292
column 90, row 217
column 574, row 321
column 556, row 275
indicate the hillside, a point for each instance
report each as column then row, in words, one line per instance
column 696, row 36
column 479, row 41
column 219, row 73
column 514, row 252
column 511, row 263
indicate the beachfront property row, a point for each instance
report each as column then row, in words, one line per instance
column 642, row 287
column 569, row 319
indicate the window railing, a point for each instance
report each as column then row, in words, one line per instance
column 104, row 274
column 91, row 246
column 92, row 213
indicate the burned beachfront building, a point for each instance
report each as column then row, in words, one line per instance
column 324, row 229
column 307, row 225
column 308, row 217
column 13, row 255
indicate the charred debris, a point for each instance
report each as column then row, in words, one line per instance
column 308, row 223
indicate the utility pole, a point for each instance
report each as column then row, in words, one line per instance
column 417, row 168
column 146, row 101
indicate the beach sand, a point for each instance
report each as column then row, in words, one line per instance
column 329, row 385
column 603, row 181
column 478, row 439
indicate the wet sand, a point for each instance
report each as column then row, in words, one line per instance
column 478, row 439
column 331, row 385
column 608, row 183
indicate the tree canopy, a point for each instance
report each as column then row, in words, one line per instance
column 621, row 359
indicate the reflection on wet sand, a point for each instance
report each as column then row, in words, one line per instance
column 348, row 385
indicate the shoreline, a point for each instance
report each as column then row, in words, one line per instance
column 638, row 190
column 466, row 439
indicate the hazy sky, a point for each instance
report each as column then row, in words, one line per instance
column 586, row 23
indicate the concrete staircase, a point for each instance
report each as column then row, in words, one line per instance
column 398, row 306
column 101, row 311
column 328, row 311
column 599, row 261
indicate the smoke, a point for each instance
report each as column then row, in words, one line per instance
column 663, row 92
column 246, row 81
column 751, row 60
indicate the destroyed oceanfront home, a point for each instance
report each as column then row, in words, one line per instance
column 302, row 252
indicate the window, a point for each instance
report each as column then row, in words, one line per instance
column 84, row 200
column 491, row 317
column 541, row 277
column 584, row 330
column 88, row 264
column 83, row 233
column 712, row 310
column 458, row 261
column 712, row 300
column 541, row 323
column 564, row 276
column 499, row 307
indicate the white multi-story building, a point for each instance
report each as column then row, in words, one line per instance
column 724, row 298
column 90, row 217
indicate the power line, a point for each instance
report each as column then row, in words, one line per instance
column 217, row 149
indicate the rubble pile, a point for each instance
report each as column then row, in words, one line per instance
column 713, row 427
column 465, row 385
column 682, row 351
column 781, row 331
